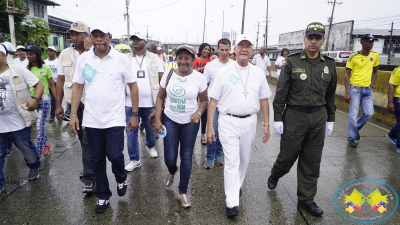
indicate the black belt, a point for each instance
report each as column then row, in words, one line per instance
column 307, row 110
column 238, row 116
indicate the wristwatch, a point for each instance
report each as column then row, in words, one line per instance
column 37, row 99
column 135, row 113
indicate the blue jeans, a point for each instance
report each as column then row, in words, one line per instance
column 215, row 149
column 53, row 104
column 365, row 97
column 395, row 131
column 68, row 110
column 106, row 143
column 9, row 145
column 22, row 140
column 132, row 136
column 183, row 135
column 43, row 109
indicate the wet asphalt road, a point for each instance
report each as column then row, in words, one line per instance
column 57, row 198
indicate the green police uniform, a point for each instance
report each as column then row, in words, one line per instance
column 304, row 102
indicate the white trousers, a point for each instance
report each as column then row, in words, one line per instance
column 236, row 136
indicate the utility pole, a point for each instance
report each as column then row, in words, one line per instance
column 266, row 28
column 244, row 10
column 11, row 10
column 330, row 21
column 205, row 14
column 147, row 35
column 127, row 17
column 390, row 45
column 258, row 30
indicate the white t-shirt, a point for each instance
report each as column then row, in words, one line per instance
column 262, row 63
column 105, row 80
column 144, row 85
column 228, row 89
column 10, row 118
column 182, row 93
column 10, row 47
column 53, row 66
column 18, row 62
column 279, row 61
column 211, row 70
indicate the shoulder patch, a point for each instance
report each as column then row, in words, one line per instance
column 352, row 56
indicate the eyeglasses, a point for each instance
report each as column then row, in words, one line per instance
column 316, row 37
column 248, row 47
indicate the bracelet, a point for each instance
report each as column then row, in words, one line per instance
column 266, row 124
column 199, row 113
column 135, row 114
column 73, row 116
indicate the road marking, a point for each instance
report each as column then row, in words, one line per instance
column 367, row 122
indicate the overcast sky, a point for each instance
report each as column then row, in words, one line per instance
column 167, row 19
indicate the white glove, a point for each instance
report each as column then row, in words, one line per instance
column 329, row 128
column 278, row 127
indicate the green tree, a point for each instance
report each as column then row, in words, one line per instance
column 18, row 18
column 38, row 32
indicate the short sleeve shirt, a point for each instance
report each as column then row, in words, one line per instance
column 228, row 89
column 53, row 66
column 182, row 94
column 105, row 80
column 361, row 68
column 262, row 63
column 200, row 63
column 44, row 74
column 10, row 47
column 211, row 70
column 395, row 80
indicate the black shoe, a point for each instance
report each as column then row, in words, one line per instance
column 358, row 136
column 33, row 174
column 101, row 205
column 240, row 193
column 272, row 182
column 352, row 144
column 311, row 208
column 81, row 175
column 51, row 119
column 66, row 118
column 141, row 127
column 231, row 212
column 88, row 187
column 121, row 188
column 9, row 152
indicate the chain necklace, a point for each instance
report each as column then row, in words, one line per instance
column 245, row 92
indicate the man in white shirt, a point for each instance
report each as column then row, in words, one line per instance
column 262, row 61
column 104, row 73
column 10, row 47
column 214, row 150
column 22, row 60
column 240, row 90
column 148, row 72
column 52, row 62
column 67, row 62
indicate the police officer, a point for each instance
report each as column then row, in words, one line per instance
column 304, row 113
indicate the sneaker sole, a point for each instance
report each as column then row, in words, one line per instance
column 207, row 167
column 305, row 209
column 134, row 168
column 31, row 179
column 390, row 139
column 87, row 190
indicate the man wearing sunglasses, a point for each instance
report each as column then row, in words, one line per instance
column 359, row 78
column 304, row 113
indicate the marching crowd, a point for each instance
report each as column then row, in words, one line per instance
column 109, row 90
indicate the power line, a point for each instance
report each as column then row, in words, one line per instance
column 294, row 8
column 116, row 21
column 157, row 8
column 377, row 18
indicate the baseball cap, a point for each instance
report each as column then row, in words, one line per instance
column 35, row 49
column 139, row 35
column 188, row 48
column 20, row 47
column 79, row 26
column 315, row 28
column 367, row 37
column 52, row 48
column 244, row 37
column 101, row 27
column 159, row 48
column 169, row 50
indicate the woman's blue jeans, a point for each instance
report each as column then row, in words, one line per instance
column 43, row 109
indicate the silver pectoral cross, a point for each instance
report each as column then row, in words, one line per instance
column 245, row 92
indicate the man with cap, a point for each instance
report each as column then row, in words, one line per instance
column 52, row 62
column 262, row 61
column 304, row 113
column 148, row 72
column 66, row 67
column 17, row 110
column 359, row 78
column 10, row 47
column 240, row 90
column 160, row 54
column 104, row 73
column 22, row 60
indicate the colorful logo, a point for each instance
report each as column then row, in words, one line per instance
column 233, row 79
column 371, row 59
column 178, row 91
column 381, row 201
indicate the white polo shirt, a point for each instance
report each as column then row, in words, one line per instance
column 262, row 63
column 105, row 80
column 211, row 70
column 228, row 89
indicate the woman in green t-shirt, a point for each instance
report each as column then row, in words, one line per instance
column 44, row 73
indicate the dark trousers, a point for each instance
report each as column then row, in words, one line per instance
column 203, row 121
column 106, row 143
column 395, row 131
column 303, row 139
column 52, row 104
column 88, row 174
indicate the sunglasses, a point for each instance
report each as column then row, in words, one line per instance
column 316, row 37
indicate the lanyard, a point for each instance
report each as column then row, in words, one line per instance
column 140, row 65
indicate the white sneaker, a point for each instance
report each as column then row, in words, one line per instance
column 152, row 151
column 132, row 165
